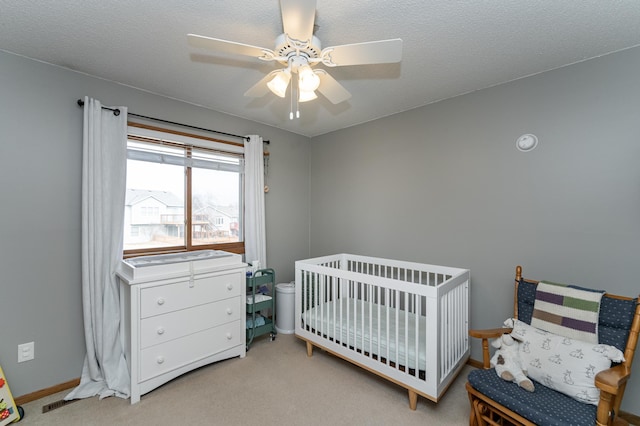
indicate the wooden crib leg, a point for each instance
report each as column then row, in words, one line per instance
column 413, row 400
column 309, row 349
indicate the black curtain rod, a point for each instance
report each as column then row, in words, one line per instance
column 116, row 112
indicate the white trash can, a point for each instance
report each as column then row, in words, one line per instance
column 285, row 307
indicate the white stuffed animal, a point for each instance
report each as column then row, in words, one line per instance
column 506, row 361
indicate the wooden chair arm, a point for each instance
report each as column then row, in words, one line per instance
column 611, row 383
column 490, row 333
column 485, row 335
column 612, row 379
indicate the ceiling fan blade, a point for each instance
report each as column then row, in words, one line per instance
column 371, row 52
column 298, row 17
column 226, row 46
column 331, row 89
column 260, row 89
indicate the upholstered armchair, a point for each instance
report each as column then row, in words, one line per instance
column 499, row 402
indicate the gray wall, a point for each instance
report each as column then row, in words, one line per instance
column 445, row 184
column 40, row 191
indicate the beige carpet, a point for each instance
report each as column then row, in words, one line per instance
column 276, row 384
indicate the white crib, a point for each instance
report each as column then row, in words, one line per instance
column 406, row 322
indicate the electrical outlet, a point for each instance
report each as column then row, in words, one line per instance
column 26, row 352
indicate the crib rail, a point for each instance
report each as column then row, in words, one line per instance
column 409, row 321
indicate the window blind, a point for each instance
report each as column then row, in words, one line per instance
column 183, row 155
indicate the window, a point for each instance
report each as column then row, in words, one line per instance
column 184, row 192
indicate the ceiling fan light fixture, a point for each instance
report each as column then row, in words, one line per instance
column 278, row 84
column 308, row 81
column 299, row 50
column 306, row 96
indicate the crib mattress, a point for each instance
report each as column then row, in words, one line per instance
column 397, row 335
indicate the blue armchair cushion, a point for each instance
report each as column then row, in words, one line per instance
column 543, row 406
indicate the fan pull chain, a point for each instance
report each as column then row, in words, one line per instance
column 291, row 102
column 295, row 83
column 297, row 97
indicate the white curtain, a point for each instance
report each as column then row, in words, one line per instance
column 104, row 162
column 255, row 245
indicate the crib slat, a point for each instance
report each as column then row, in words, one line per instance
column 379, row 303
column 370, row 328
column 388, row 336
column 321, row 283
column 396, row 334
column 334, row 299
column 361, row 297
column 406, row 330
column 346, row 338
column 418, row 331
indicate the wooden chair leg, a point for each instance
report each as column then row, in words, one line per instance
column 604, row 408
column 478, row 421
column 472, row 413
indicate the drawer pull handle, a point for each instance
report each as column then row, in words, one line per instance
column 229, row 286
column 229, row 311
column 160, row 359
column 229, row 336
column 161, row 301
column 160, row 330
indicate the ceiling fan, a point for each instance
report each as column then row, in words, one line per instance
column 299, row 51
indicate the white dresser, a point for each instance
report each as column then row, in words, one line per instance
column 180, row 312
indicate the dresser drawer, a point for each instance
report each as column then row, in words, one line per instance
column 173, row 354
column 172, row 297
column 173, row 325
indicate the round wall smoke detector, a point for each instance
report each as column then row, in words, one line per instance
column 526, row 143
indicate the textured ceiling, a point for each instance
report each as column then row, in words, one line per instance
column 449, row 48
